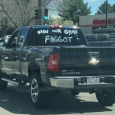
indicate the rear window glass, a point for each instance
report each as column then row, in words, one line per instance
column 90, row 38
column 51, row 36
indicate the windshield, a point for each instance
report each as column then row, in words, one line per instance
column 64, row 36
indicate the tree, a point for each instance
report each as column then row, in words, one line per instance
column 60, row 21
column 20, row 12
column 4, row 26
column 46, row 2
column 113, row 8
column 102, row 9
column 17, row 13
column 72, row 9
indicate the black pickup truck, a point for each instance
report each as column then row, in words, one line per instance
column 54, row 59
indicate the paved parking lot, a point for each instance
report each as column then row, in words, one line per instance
column 16, row 101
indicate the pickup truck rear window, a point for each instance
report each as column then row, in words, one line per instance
column 63, row 36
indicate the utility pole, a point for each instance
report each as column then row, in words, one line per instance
column 40, row 12
column 106, row 13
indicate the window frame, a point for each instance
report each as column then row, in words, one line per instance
column 26, row 33
column 8, row 45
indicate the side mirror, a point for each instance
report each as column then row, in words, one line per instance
column 2, row 42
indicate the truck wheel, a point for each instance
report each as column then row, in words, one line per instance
column 3, row 85
column 40, row 98
column 105, row 98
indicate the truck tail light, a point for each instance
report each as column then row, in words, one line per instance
column 53, row 64
column 56, row 26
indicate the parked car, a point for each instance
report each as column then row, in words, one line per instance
column 7, row 37
column 110, row 31
column 99, row 40
column 54, row 59
column 1, row 38
column 1, row 41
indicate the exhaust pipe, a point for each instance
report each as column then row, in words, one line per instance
column 10, row 81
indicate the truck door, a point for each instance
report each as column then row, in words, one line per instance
column 17, row 52
column 7, row 53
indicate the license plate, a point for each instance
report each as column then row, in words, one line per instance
column 93, row 80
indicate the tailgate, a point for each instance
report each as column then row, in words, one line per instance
column 75, row 61
column 106, row 64
column 106, row 54
column 76, row 56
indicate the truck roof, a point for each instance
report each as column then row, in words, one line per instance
column 48, row 26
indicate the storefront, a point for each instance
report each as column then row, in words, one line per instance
column 91, row 22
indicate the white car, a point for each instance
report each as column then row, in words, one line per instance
column 1, row 38
column 7, row 38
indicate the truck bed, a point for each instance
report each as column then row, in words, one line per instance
column 75, row 61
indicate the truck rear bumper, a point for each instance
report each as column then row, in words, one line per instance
column 81, row 82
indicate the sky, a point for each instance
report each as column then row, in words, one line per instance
column 93, row 3
column 96, row 3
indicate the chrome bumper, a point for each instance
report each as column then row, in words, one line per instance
column 69, row 82
column 62, row 83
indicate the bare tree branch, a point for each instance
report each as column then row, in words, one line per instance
column 17, row 2
column 2, row 5
column 30, row 20
column 46, row 2
column 1, row 10
column 4, row 26
column 22, row 11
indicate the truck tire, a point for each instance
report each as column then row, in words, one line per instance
column 40, row 96
column 3, row 85
column 105, row 98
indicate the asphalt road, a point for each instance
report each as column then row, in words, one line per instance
column 16, row 101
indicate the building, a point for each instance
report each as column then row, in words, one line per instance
column 91, row 22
